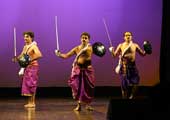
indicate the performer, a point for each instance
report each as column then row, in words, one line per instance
column 28, row 61
column 82, row 79
column 127, row 68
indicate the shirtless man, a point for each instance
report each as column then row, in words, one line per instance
column 29, row 71
column 82, row 80
column 127, row 68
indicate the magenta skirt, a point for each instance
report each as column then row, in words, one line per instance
column 82, row 82
column 29, row 81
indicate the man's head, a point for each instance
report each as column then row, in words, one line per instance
column 85, row 37
column 28, row 37
column 127, row 36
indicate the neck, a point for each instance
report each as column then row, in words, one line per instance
column 128, row 41
column 84, row 45
column 28, row 43
column 31, row 43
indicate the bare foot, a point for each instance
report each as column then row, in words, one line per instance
column 78, row 108
column 29, row 105
column 89, row 108
column 131, row 97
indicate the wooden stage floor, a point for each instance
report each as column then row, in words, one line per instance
column 61, row 108
column 51, row 109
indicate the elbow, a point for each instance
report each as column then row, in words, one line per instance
column 144, row 53
column 114, row 55
column 64, row 57
column 40, row 56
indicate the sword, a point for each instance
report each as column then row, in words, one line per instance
column 56, row 33
column 15, row 53
column 107, row 32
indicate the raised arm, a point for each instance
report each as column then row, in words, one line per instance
column 16, row 58
column 117, row 51
column 140, row 51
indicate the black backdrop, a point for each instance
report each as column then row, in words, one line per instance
column 165, row 45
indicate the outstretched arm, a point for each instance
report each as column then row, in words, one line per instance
column 66, row 55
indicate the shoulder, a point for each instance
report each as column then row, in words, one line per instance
column 90, row 46
column 135, row 44
column 34, row 46
column 120, row 44
column 76, row 48
column 24, row 46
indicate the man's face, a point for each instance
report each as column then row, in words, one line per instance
column 127, row 36
column 27, row 39
column 84, row 39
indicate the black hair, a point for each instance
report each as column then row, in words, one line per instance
column 30, row 33
column 86, row 34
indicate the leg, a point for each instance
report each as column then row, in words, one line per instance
column 78, row 108
column 124, row 86
column 124, row 94
column 133, row 91
column 31, row 102
column 33, row 99
column 88, row 107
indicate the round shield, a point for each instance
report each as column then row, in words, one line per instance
column 147, row 47
column 24, row 60
column 99, row 49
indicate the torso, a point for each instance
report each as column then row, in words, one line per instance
column 85, row 56
column 130, row 52
column 30, row 51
